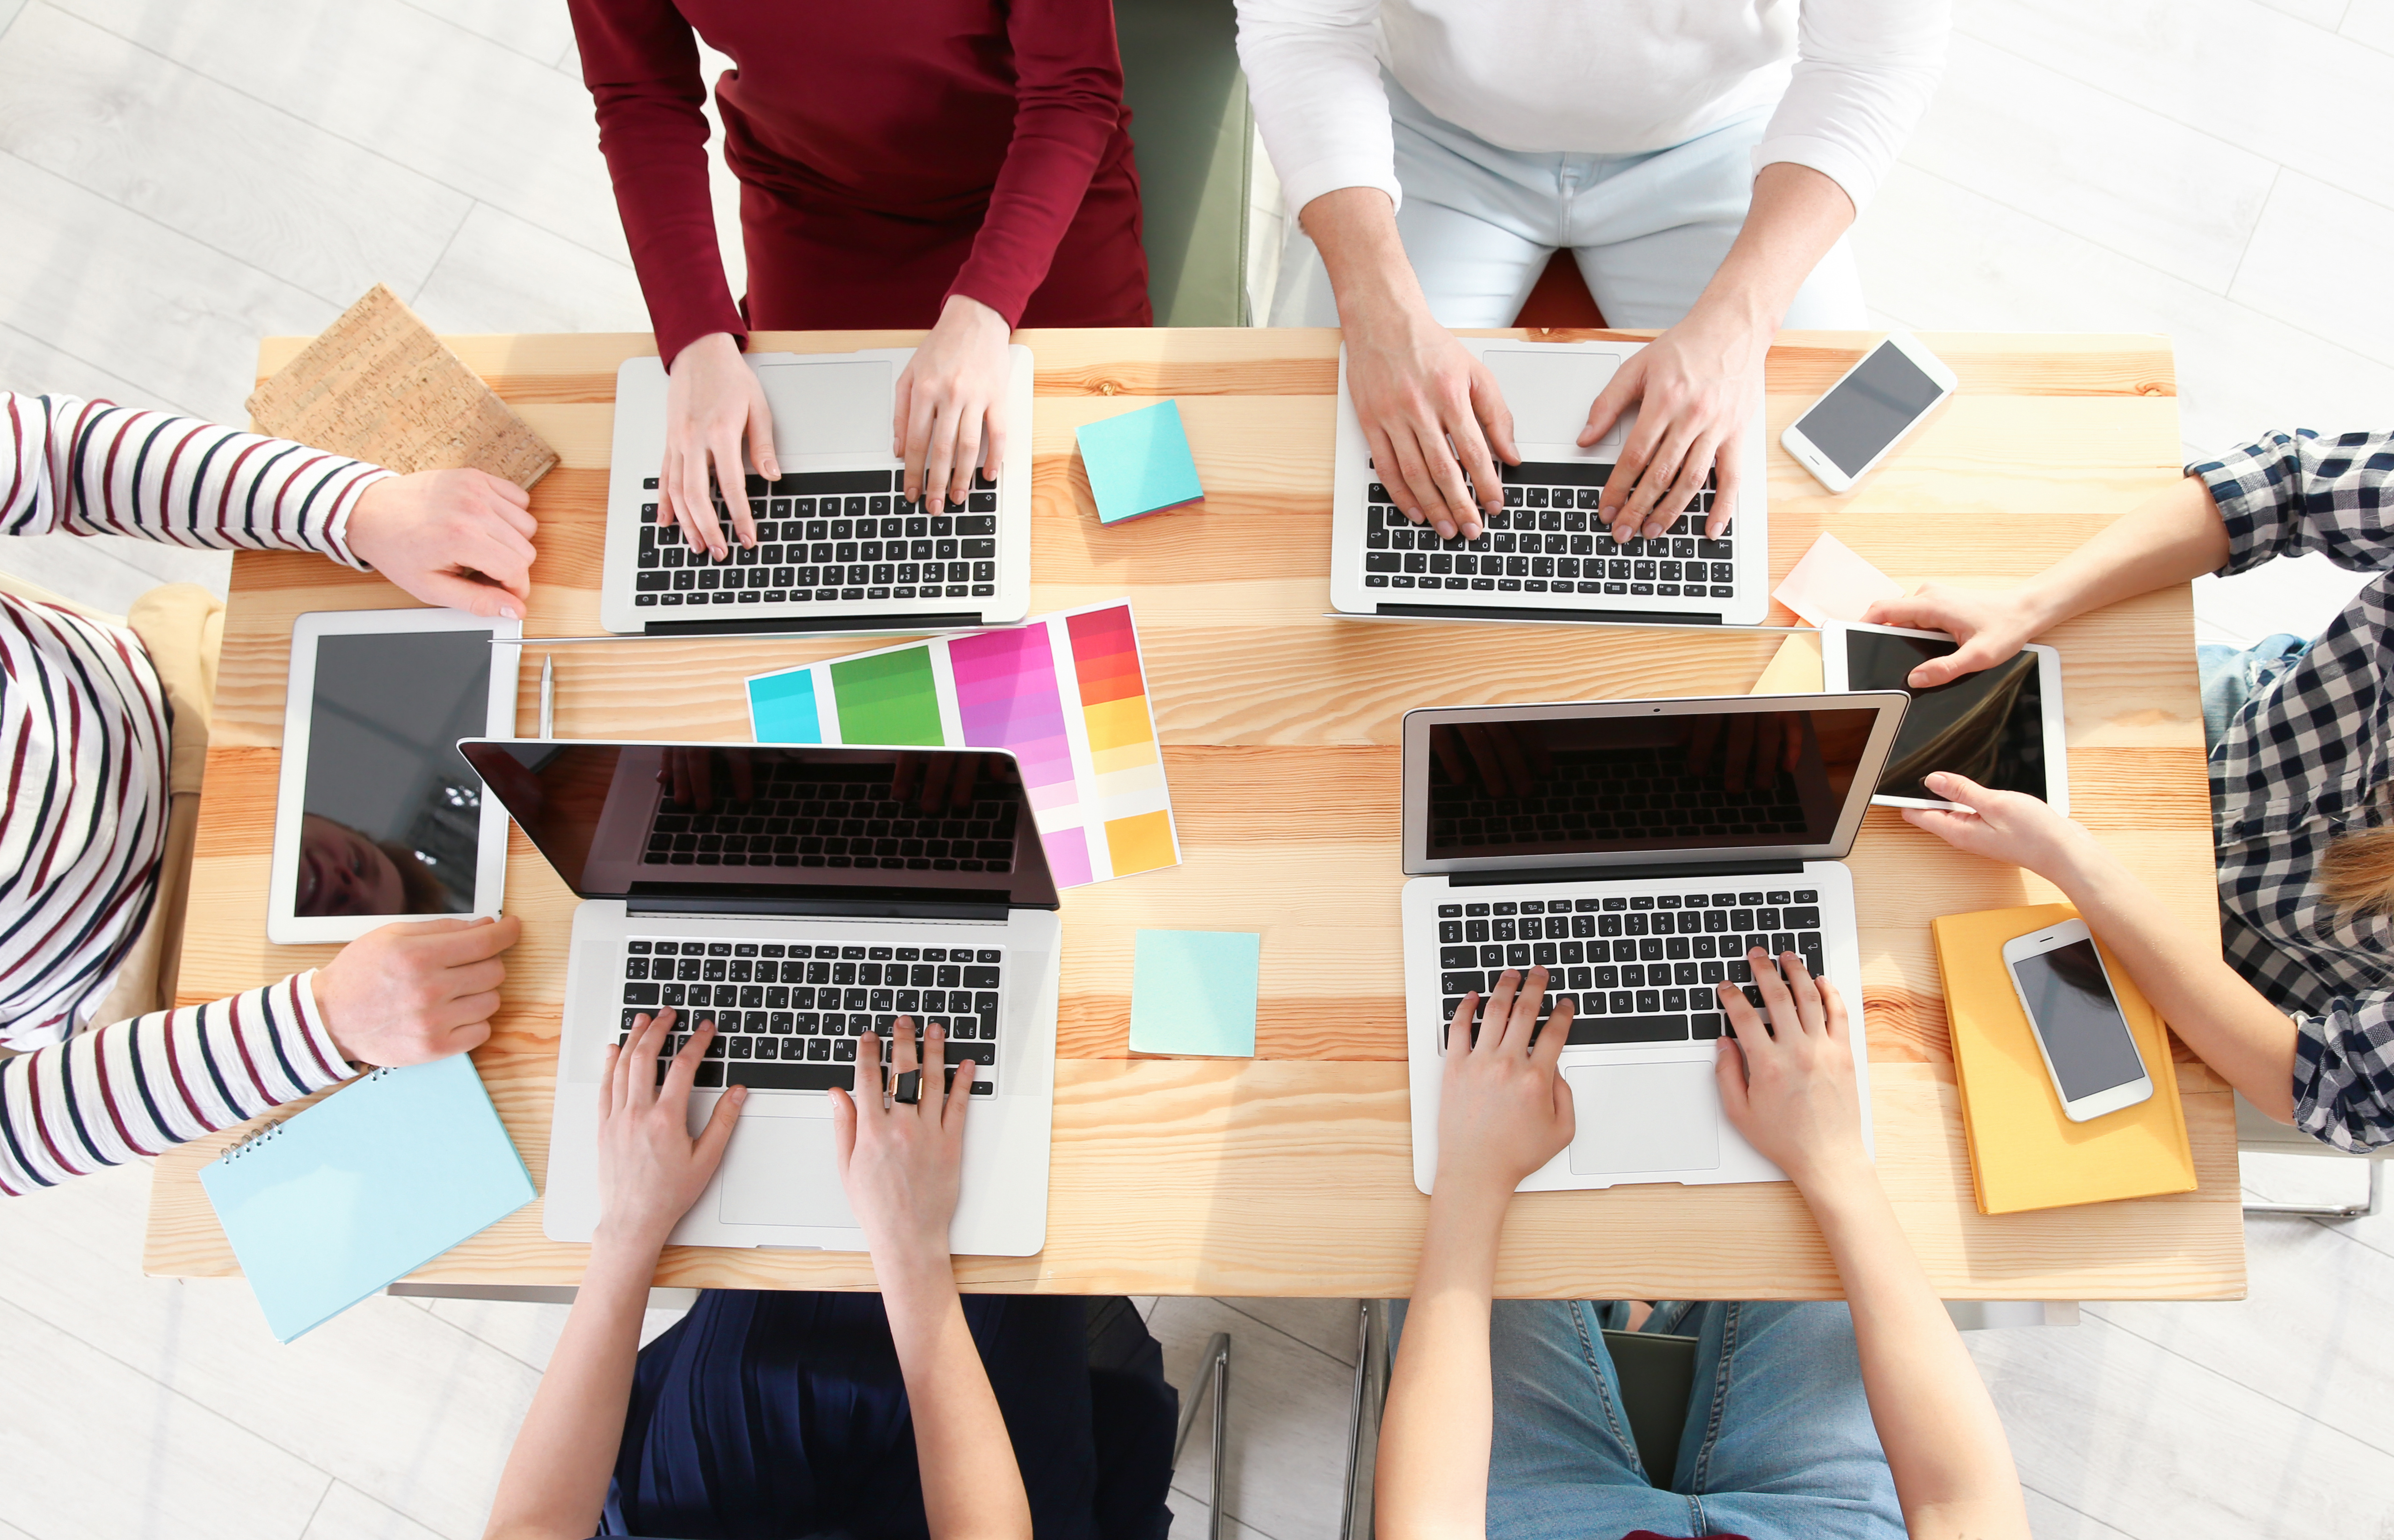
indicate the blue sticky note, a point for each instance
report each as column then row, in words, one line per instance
column 782, row 708
column 1139, row 463
column 1193, row 991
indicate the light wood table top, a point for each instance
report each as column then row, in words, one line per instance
column 1290, row 1173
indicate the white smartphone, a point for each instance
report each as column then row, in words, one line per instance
column 377, row 817
column 2074, row 1015
column 2001, row 726
column 1842, row 437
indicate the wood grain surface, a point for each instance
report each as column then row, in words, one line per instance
column 1290, row 1174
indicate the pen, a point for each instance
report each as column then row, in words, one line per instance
column 548, row 695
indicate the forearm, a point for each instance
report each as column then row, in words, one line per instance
column 1355, row 229
column 1944, row 1443
column 1432, row 1476
column 2223, row 1019
column 971, row 1485
column 1796, row 215
column 2172, row 538
column 556, row 1479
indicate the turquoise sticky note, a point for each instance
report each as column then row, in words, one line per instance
column 782, row 708
column 1193, row 991
column 1139, row 463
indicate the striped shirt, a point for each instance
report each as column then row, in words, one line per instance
column 84, row 755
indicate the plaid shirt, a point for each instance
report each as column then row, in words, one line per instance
column 2306, row 759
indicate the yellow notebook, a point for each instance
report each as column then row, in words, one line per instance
column 2024, row 1154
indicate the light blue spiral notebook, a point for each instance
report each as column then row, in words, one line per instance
column 364, row 1187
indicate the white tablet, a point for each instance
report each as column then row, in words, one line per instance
column 2001, row 726
column 378, row 817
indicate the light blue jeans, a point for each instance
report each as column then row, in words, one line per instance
column 2233, row 676
column 1648, row 230
column 1779, row 1444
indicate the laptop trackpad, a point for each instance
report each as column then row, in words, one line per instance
column 830, row 408
column 1551, row 393
column 1644, row 1117
column 781, row 1171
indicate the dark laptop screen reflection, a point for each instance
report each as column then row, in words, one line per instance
column 1613, row 784
column 715, row 820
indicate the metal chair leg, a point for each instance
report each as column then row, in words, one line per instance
column 1213, row 1374
column 2332, row 1211
column 1363, row 1408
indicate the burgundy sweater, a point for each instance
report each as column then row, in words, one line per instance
column 943, row 111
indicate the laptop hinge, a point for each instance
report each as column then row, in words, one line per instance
column 1600, row 617
column 649, row 905
column 1615, row 873
column 736, row 626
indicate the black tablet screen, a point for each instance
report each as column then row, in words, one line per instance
column 392, row 814
column 1989, row 726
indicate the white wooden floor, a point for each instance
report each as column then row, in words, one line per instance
column 181, row 177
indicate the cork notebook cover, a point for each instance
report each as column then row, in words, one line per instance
column 379, row 386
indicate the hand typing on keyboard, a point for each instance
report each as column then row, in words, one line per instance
column 950, row 417
column 712, row 403
column 1787, row 1083
column 650, row 1169
column 1504, row 1109
column 901, row 1153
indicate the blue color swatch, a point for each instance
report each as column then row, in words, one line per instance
column 1139, row 463
column 1193, row 991
column 782, row 708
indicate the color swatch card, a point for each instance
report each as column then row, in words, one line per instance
column 1065, row 692
column 1139, row 463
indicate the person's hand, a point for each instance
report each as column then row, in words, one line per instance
column 406, row 993
column 462, row 538
column 2012, row 827
column 650, row 1169
column 1992, row 628
column 1504, row 1109
column 1790, row 1089
column 712, row 403
column 902, row 1155
column 1414, row 389
column 1695, row 386
column 951, row 408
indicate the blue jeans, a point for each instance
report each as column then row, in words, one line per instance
column 2231, row 676
column 1779, row 1444
column 1648, row 230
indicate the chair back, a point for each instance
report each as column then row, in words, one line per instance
column 1657, row 1375
column 1193, row 135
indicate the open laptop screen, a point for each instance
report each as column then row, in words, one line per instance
column 761, row 823
column 1637, row 782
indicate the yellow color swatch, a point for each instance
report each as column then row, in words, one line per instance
column 1119, row 724
column 1107, row 761
column 1141, row 843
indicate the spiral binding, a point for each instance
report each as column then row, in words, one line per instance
column 244, row 1145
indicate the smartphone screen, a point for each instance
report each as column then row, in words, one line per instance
column 1989, row 726
column 1869, row 409
column 2071, row 1005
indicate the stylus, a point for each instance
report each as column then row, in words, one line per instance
column 548, row 695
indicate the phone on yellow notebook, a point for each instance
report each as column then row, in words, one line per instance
column 2074, row 1013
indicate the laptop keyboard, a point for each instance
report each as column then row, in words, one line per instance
column 1637, row 969
column 794, row 816
column 1548, row 540
column 788, row 1014
column 825, row 537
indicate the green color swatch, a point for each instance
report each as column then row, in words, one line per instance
column 888, row 698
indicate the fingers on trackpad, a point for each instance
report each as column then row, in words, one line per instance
column 1633, row 1118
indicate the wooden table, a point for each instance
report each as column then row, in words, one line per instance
column 1290, row 1174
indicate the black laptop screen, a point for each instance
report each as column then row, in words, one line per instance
column 734, row 823
column 1605, row 786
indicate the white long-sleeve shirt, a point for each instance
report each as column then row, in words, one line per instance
column 83, row 793
column 1850, row 78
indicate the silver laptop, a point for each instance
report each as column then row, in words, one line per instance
column 798, row 898
column 838, row 548
column 1635, row 849
column 1546, row 556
